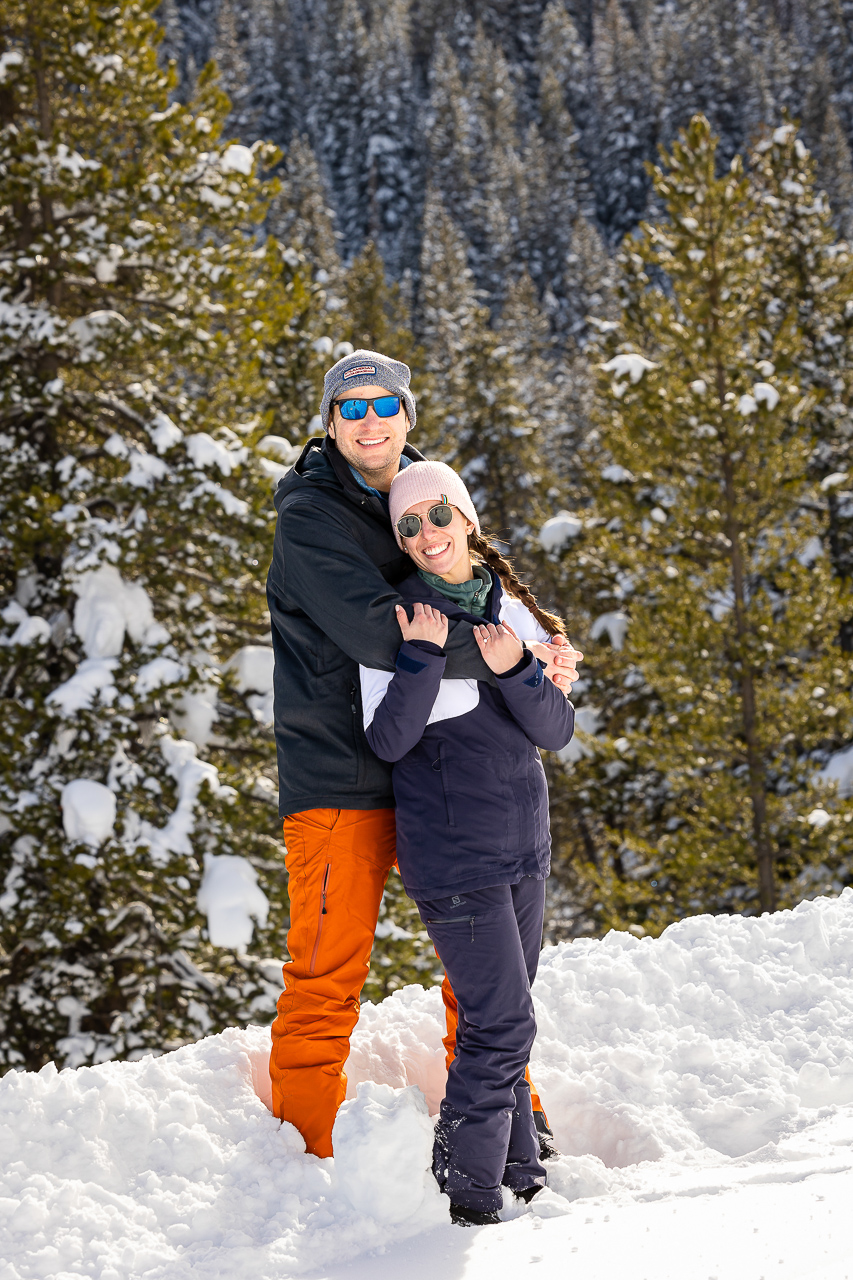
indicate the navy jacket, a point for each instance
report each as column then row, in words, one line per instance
column 472, row 800
column 331, row 590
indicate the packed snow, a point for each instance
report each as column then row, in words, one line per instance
column 700, row 1086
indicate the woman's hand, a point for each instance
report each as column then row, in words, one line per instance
column 560, row 661
column 428, row 623
column 500, row 647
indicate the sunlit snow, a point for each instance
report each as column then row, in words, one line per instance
column 700, row 1087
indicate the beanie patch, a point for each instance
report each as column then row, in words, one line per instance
column 359, row 370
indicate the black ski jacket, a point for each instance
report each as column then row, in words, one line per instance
column 331, row 593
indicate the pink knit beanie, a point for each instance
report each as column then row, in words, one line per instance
column 428, row 481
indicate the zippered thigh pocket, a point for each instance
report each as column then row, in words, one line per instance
column 321, row 914
column 457, row 920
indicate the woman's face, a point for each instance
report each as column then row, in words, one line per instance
column 441, row 551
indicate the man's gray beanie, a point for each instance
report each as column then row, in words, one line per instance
column 360, row 370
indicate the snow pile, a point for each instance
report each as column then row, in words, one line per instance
column 88, row 811
column 697, row 1083
column 232, row 899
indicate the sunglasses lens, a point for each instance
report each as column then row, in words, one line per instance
column 409, row 526
column 441, row 516
column 387, row 406
column 353, row 410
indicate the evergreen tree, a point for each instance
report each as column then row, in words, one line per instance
column 836, row 171
column 729, row 683
column 565, row 54
column 477, row 421
column 624, row 94
column 230, row 55
column 376, row 313
column 450, row 152
column 339, row 134
column 132, row 498
column 300, row 215
column 391, row 158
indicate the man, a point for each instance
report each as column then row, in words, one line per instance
column 331, row 598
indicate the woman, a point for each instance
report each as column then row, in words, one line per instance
column 473, row 842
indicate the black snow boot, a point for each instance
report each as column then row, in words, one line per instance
column 462, row 1216
column 548, row 1149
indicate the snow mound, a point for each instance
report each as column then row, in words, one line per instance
column 714, row 1057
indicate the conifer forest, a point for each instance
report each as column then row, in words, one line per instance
column 612, row 240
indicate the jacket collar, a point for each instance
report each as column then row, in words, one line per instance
column 320, row 462
column 348, row 483
column 414, row 588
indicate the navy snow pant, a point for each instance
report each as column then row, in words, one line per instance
column 489, row 942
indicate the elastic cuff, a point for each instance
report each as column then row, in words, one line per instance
column 427, row 646
column 522, row 665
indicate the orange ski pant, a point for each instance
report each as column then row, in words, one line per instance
column 337, row 862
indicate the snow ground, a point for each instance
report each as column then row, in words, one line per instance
column 700, row 1086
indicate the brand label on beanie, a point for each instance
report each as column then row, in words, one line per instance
column 360, row 369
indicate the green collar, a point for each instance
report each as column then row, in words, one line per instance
column 471, row 595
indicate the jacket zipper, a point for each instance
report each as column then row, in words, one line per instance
column 457, row 920
column 438, row 767
column 320, row 917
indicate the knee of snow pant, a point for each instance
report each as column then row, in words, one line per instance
column 337, row 861
column 451, row 1020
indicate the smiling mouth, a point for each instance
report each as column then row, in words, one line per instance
column 371, row 444
column 436, row 551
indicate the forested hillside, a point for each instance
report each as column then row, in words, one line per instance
column 643, row 371
column 525, row 115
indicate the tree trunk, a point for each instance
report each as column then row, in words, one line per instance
column 749, row 717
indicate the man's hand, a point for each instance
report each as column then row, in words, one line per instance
column 560, row 662
column 428, row 623
column 500, row 647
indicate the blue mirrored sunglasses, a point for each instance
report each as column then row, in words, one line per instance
column 355, row 410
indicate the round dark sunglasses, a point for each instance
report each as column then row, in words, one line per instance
column 355, row 410
column 440, row 515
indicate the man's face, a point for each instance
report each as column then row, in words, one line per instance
column 372, row 445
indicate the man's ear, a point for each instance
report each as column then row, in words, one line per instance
column 331, row 429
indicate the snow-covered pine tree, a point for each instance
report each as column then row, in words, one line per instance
column 230, row 54
column 376, row 313
column 809, row 283
column 136, row 520
column 477, row 421
column 493, row 221
column 836, row 171
column 625, row 96
column 554, row 194
column 730, row 655
column 448, row 135
column 338, row 133
column 563, row 50
column 392, row 160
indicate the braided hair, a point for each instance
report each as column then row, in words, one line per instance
column 489, row 554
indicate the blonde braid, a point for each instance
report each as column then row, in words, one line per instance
column 486, row 550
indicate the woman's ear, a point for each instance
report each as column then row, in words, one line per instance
column 469, row 528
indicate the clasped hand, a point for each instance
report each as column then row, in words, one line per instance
column 428, row 623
